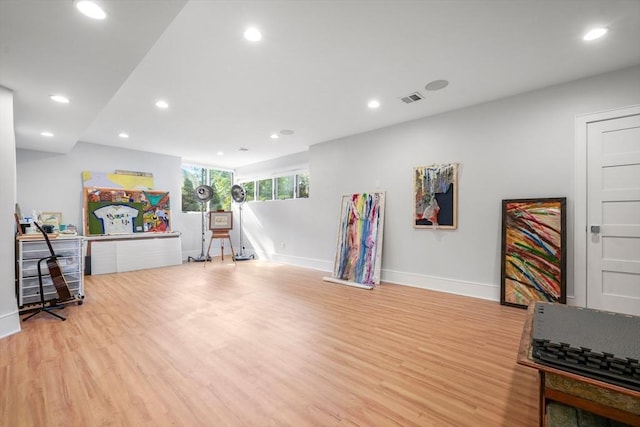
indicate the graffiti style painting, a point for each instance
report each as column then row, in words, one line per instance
column 533, row 251
column 359, row 249
column 120, row 211
column 436, row 196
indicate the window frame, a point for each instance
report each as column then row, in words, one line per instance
column 300, row 178
column 207, row 176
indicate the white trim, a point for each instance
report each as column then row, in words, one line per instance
column 581, row 211
column 312, row 263
column 440, row 284
column 458, row 287
column 198, row 164
column 290, row 170
column 9, row 324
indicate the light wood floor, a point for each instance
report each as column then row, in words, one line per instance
column 261, row 344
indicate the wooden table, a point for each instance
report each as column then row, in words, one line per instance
column 601, row 398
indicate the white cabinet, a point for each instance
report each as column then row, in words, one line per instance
column 29, row 251
column 129, row 252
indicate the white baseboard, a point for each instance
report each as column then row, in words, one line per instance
column 458, row 287
column 312, row 263
column 9, row 324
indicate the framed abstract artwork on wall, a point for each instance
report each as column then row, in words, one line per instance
column 436, row 196
column 534, row 255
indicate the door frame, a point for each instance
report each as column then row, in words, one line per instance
column 580, row 231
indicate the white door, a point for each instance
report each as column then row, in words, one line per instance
column 613, row 217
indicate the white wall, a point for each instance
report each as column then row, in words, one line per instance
column 516, row 147
column 263, row 231
column 520, row 146
column 53, row 182
column 9, row 319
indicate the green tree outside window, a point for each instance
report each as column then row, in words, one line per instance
column 302, row 185
column 221, row 181
column 265, row 189
column 284, row 187
column 249, row 189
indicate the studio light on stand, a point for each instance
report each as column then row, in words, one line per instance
column 239, row 196
column 203, row 193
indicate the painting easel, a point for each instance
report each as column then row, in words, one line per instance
column 220, row 224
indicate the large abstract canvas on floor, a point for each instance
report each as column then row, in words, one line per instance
column 359, row 246
column 533, row 251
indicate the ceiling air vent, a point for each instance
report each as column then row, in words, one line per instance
column 415, row 96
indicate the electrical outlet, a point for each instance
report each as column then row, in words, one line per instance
column 283, row 245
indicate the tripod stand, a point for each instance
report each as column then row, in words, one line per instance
column 57, row 278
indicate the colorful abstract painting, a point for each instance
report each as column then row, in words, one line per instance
column 120, row 179
column 359, row 249
column 111, row 211
column 533, row 251
column 436, row 191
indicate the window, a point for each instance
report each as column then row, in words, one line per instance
column 192, row 176
column 280, row 188
column 284, row 187
column 265, row 189
column 250, row 190
column 219, row 180
column 302, row 185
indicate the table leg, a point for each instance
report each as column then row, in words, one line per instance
column 542, row 401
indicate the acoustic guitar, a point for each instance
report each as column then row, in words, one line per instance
column 60, row 283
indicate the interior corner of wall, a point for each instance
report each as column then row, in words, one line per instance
column 9, row 324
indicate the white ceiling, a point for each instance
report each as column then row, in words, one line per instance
column 318, row 64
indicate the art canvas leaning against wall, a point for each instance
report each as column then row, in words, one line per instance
column 359, row 248
column 533, row 251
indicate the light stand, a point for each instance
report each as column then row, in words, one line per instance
column 203, row 193
column 202, row 257
column 241, row 256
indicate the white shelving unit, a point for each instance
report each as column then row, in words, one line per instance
column 30, row 250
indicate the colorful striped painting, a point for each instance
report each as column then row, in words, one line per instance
column 359, row 249
column 533, row 251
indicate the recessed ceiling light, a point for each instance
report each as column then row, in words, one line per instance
column 162, row 104
column 275, row 136
column 286, row 132
column 59, row 98
column 123, row 135
column 595, row 33
column 46, row 133
column 373, row 104
column 436, row 85
column 220, row 153
column 90, row 9
column 253, row 34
